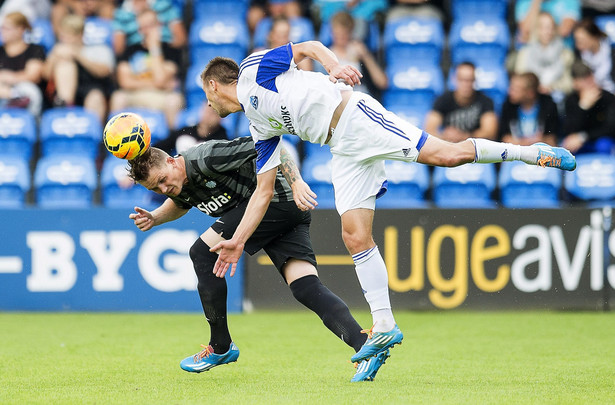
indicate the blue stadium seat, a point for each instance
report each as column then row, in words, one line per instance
column 414, row 39
column 191, row 116
column 594, row 179
column 479, row 40
column 407, row 184
column 155, row 119
column 65, row 182
column 316, row 172
column 14, row 182
column 491, row 79
column 301, row 29
column 607, row 25
column 218, row 36
column 489, row 9
column 98, row 31
column 414, row 114
column 203, row 9
column 195, row 95
column 413, row 84
column 466, row 186
column 118, row 190
column 41, row 34
column 17, row 132
column 71, row 131
column 526, row 186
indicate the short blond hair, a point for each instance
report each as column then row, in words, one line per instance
column 73, row 23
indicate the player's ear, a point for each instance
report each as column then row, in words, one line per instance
column 170, row 160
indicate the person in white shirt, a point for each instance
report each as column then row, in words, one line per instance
column 279, row 99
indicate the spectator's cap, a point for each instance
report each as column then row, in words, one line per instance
column 73, row 23
column 580, row 70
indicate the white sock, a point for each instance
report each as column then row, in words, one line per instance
column 493, row 152
column 374, row 280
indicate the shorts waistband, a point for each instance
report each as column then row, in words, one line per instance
column 344, row 118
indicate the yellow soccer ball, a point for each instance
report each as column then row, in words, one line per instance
column 126, row 135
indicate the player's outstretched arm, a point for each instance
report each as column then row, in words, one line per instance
column 145, row 220
column 303, row 195
column 229, row 251
column 317, row 51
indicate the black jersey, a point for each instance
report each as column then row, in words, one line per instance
column 222, row 174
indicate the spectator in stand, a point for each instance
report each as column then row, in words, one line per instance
column 81, row 74
column 354, row 52
column 279, row 35
column 21, row 66
column 589, row 124
column 527, row 115
column 147, row 72
column 463, row 113
column 363, row 11
column 547, row 56
column 209, row 127
column 565, row 12
column 260, row 9
column 595, row 50
column 83, row 8
column 126, row 27
column 32, row 9
column 415, row 8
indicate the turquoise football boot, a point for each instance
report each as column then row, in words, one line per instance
column 367, row 369
column 553, row 156
column 206, row 359
column 377, row 342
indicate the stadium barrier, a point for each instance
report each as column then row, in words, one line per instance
column 96, row 260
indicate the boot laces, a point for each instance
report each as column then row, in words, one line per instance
column 370, row 331
column 207, row 350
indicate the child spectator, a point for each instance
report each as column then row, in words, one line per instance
column 81, row 74
column 147, row 72
column 21, row 66
column 565, row 12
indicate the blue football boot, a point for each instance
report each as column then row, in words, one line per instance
column 207, row 359
column 377, row 342
column 553, row 156
column 367, row 369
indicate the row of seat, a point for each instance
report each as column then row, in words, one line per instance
column 70, row 181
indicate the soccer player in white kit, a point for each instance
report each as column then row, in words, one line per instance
column 279, row 99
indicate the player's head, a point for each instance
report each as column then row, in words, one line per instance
column 219, row 81
column 157, row 171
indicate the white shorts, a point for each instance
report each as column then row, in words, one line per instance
column 367, row 135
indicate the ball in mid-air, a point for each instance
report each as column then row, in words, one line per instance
column 126, row 135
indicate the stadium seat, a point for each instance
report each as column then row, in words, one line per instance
column 195, row 95
column 156, row 121
column 414, row 114
column 17, row 132
column 479, row 41
column 413, row 39
column 316, row 172
column 14, row 182
column 593, row 181
column 203, row 9
column 526, row 186
column 301, row 29
column 191, row 116
column 407, row 183
column 466, row 186
column 413, row 84
column 97, row 31
column 488, row 9
column 41, row 34
column 70, row 131
column 607, row 25
column 218, row 36
column 491, row 79
column 118, row 190
column 65, row 181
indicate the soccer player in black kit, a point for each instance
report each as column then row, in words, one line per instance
column 218, row 178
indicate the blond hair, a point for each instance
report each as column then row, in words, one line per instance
column 73, row 23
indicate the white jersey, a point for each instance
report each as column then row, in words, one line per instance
column 279, row 99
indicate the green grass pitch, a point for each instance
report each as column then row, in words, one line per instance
column 289, row 357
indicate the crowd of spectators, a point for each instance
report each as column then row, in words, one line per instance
column 559, row 66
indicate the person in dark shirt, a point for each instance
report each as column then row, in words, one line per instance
column 218, row 178
column 527, row 116
column 589, row 124
column 209, row 127
column 463, row 113
column 21, row 66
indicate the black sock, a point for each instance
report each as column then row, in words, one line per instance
column 330, row 308
column 212, row 291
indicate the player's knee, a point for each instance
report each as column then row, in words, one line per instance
column 357, row 240
column 200, row 254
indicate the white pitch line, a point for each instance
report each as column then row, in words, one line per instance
column 10, row 264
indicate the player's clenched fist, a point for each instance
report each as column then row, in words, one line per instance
column 144, row 220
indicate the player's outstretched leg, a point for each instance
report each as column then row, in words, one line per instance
column 367, row 369
column 206, row 359
column 378, row 342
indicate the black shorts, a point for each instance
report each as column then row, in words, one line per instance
column 284, row 232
